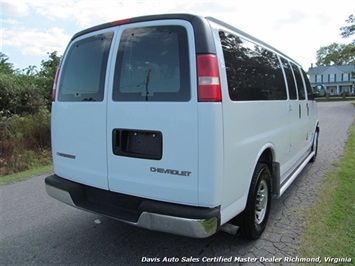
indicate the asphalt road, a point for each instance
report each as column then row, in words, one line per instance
column 38, row 230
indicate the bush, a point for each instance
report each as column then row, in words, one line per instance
column 24, row 142
column 19, row 95
column 25, row 99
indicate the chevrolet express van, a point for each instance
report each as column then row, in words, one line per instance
column 179, row 123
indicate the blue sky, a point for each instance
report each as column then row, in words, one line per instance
column 31, row 29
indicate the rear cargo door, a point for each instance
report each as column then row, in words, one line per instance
column 79, row 111
column 152, row 113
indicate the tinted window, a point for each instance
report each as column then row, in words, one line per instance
column 308, row 84
column 253, row 73
column 84, row 70
column 153, row 65
column 299, row 82
column 290, row 80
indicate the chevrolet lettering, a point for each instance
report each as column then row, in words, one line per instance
column 169, row 171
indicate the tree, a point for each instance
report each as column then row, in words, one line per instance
column 19, row 90
column 46, row 75
column 24, row 92
column 19, row 95
column 336, row 54
column 24, row 115
column 30, row 71
column 5, row 66
column 347, row 31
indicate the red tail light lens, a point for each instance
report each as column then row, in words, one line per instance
column 209, row 87
column 54, row 90
column 120, row 22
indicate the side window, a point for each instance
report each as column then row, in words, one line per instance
column 290, row 80
column 253, row 72
column 299, row 82
column 308, row 84
column 152, row 65
column 84, row 70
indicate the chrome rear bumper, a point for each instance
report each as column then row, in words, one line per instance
column 177, row 219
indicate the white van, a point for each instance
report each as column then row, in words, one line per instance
column 178, row 123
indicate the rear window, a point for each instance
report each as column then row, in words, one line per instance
column 152, row 65
column 84, row 70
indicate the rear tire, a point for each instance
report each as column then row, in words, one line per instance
column 254, row 218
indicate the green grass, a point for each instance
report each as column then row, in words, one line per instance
column 330, row 222
column 7, row 179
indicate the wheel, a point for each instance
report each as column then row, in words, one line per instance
column 315, row 146
column 254, row 218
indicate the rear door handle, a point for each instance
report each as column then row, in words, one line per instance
column 300, row 111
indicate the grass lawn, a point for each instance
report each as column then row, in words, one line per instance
column 25, row 174
column 330, row 222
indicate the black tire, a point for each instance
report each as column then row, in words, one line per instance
column 315, row 146
column 253, row 219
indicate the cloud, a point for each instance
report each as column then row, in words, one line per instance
column 35, row 42
column 295, row 27
column 15, row 8
column 208, row 8
column 86, row 13
column 89, row 13
column 9, row 22
column 97, row 12
column 293, row 17
column 64, row 9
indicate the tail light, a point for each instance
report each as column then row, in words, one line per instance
column 55, row 85
column 209, row 87
column 120, row 22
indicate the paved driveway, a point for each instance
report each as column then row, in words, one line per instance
column 37, row 230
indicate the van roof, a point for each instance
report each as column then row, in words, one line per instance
column 204, row 42
column 203, row 35
column 187, row 17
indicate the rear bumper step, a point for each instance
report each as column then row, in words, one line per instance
column 177, row 219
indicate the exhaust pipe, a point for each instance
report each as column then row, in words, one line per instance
column 230, row 228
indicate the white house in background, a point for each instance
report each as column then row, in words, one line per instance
column 337, row 80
